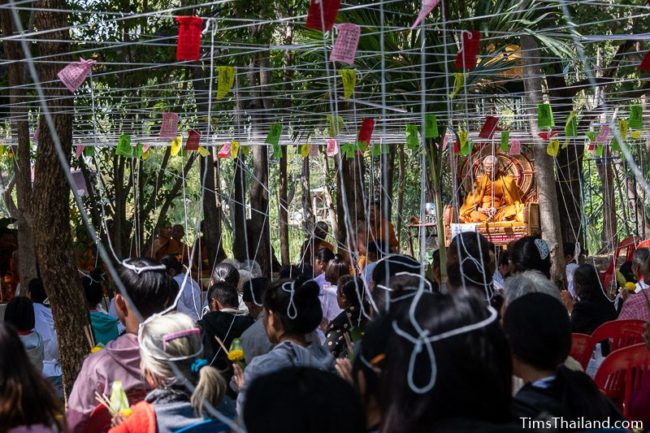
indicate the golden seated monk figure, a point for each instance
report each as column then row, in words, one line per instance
column 495, row 197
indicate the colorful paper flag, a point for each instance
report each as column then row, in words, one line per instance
column 345, row 46
column 379, row 149
column 545, row 116
column 431, row 126
column 332, row 147
column 505, row 141
column 603, row 135
column 193, row 140
column 78, row 151
column 412, row 137
column 645, row 64
column 489, row 127
column 365, row 133
column 138, row 150
column 304, row 150
column 334, row 128
column 74, row 74
column 188, row 46
column 225, row 80
column 324, row 21
column 459, row 80
column 571, row 127
column 89, row 151
column 224, row 152
column 146, row 154
column 427, row 7
column 467, row 57
column 234, row 149
column 124, row 146
column 176, row 145
column 600, row 150
column 636, row 116
column 169, row 125
column 623, row 128
column 547, row 135
column 275, row 132
column 314, row 150
column 515, row 147
column 245, row 150
column 347, row 150
column 349, row 78
column 553, row 147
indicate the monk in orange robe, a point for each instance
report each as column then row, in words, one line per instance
column 496, row 197
column 381, row 229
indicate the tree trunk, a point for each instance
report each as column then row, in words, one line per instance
column 349, row 199
column 610, row 229
column 283, row 210
column 544, row 164
column 332, row 208
column 239, row 248
column 259, row 238
column 52, row 236
column 309, row 220
column 20, row 129
column 211, row 211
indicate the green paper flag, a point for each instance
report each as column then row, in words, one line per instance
column 89, row 151
column 591, row 135
column 636, row 117
column 553, row 148
column 430, row 126
column 412, row 136
column 545, row 117
column 332, row 129
column 600, row 150
column 138, row 151
column 124, row 146
column 349, row 78
column 379, row 149
column 459, row 80
column 348, row 149
column 466, row 148
column 616, row 147
column 505, row 141
column 571, row 127
column 274, row 135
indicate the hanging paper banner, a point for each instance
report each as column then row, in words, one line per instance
column 169, row 126
column 467, row 57
column 225, row 80
column 78, row 151
column 635, row 134
column 74, row 74
column 146, row 154
column 505, row 141
column 553, row 148
column 515, row 147
column 545, row 116
column 489, row 127
column 345, row 46
column 193, row 140
column 274, row 134
column 349, row 78
column 636, row 116
column 412, row 137
column 203, row 151
column 365, row 133
column 600, row 150
column 431, row 126
column 314, row 150
column 379, row 149
column 348, row 149
column 623, row 128
column 427, row 7
column 138, row 150
column 234, row 149
column 245, row 150
column 547, row 135
column 616, row 147
column 124, row 146
column 465, row 147
column 333, row 129
column 571, row 127
column 89, row 151
column 645, row 64
column 459, row 80
column 603, row 135
column 224, row 152
column 324, row 22
column 304, row 150
column 176, row 146
column 332, row 147
column 145, row 148
column 188, row 46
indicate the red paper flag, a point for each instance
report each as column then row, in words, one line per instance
column 189, row 38
column 365, row 134
column 466, row 57
column 330, row 10
column 193, row 139
column 645, row 64
column 489, row 127
column 224, row 152
column 456, row 148
column 547, row 135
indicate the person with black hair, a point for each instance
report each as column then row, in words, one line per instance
column 254, row 340
column 571, row 264
column 539, row 331
column 381, row 229
column 336, row 268
column 149, row 290
column 253, row 295
column 447, row 367
column 191, row 301
column 225, row 273
column 531, row 253
column 316, row 241
column 375, row 252
column 292, row 311
column 20, row 314
column 323, row 258
column 27, row 401
column 347, row 327
column 502, row 271
column 300, row 400
column 104, row 326
column 593, row 307
column 222, row 325
column 469, row 265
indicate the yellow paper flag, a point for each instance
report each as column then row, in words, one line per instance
column 146, row 154
column 304, row 150
column 636, row 134
column 459, row 80
column 203, row 151
column 176, row 145
column 234, row 149
column 349, row 77
column 622, row 128
column 462, row 137
column 553, row 148
column 225, row 80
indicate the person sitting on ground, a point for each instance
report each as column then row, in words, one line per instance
column 254, row 340
column 469, row 266
column 222, row 325
column 531, row 253
column 20, row 314
column 104, row 326
column 27, row 401
column 300, row 400
column 336, row 268
column 149, row 290
column 571, row 264
column 170, row 353
column 316, row 241
column 539, row 332
column 292, row 311
column 593, row 307
column 347, row 327
column 191, row 302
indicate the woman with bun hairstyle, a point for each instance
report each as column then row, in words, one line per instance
column 292, row 311
column 531, row 253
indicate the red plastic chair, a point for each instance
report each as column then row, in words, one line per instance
column 581, row 348
column 100, row 419
column 644, row 244
column 619, row 333
column 628, row 244
column 622, row 372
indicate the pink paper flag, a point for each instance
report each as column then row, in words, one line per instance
column 193, row 139
column 515, row 147
column 169, row 126
column 314, row 150
column 78, row 151
column 427, row 7
column 74, row 74
column 345, row 47
column 332, row 147
column 603, row 135
column 224, row 152
column 145, row 147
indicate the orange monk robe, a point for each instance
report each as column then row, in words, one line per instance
column 507, row 200
column 379, row 234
